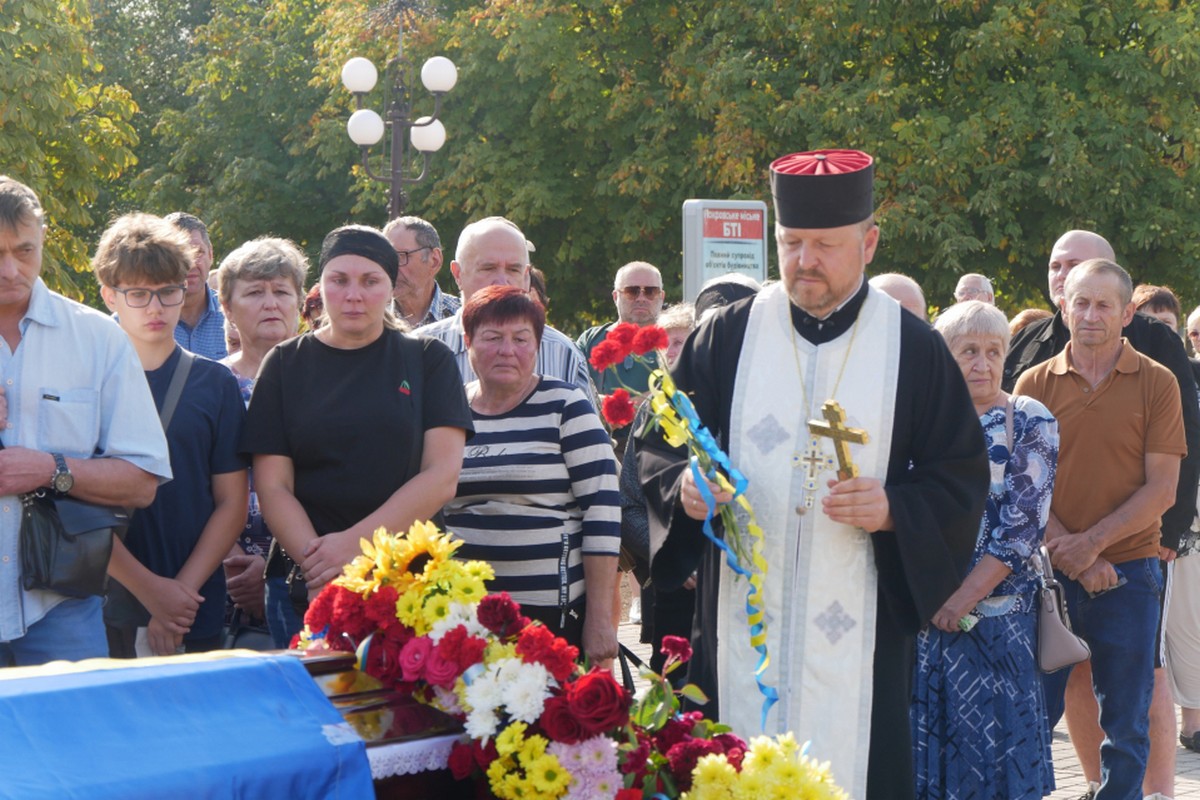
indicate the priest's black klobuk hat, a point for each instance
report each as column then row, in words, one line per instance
column 823, row 188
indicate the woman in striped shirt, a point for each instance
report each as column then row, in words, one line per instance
column 537, row 496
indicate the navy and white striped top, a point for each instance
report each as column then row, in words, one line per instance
column 537, row 492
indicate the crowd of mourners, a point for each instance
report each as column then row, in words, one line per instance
column 262, row 430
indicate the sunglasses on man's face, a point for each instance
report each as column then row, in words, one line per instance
column 632, row 292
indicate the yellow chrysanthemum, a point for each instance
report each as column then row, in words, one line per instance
column 480, row 569
column 547, row 775
column 497, row 650
column 511, row 738
column 713, row 779
column 496, row 772
column 533, row 748
column 408, row 608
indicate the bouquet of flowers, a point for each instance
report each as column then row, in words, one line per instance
column 537, row 724
column 673, row 413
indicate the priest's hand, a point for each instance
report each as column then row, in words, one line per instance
column 1071, row 555
column 861, row 502
column 693, row 502
column 326, row 555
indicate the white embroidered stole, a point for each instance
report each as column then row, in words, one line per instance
column 821, row 582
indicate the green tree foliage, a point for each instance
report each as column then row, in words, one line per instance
column 63, row 131
column 996, row 126
column 237, row 153
column 144, row 46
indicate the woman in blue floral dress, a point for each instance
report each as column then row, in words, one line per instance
column 978, row 713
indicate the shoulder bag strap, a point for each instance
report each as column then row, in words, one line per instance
column 175, row 388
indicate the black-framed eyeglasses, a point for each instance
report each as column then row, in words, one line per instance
column 650, row 292
column 167, row 296
column 404, row 254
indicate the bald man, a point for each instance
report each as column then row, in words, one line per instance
column 905, row 291
column 1038, row 342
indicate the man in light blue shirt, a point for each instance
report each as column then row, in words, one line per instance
column 201, row 329
column 80, row 421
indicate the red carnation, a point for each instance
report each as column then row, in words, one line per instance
column 634, row 762
column 321, row 608
column 538, row 644
column 677, row 647
column 606, row 354
column 618, row 409
column 676, row 730
column 381, row 607
column 622, row 334
column 683, row 756
column 649, row 339
column 559, row 723
column 348, row 623
column 628, row 794
column 501, row 615
column 598, row 701
column 734, row 747
column 462, row 648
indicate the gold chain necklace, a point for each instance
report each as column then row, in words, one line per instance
column 800, row 372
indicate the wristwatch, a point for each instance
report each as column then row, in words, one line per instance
column 62, row 480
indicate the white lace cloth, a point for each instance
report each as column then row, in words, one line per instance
column 409, row 758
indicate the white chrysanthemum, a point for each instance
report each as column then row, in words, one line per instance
column 482, row 723
column 525, row 696
column 484, row 692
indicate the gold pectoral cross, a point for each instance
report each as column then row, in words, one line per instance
column 835, row 428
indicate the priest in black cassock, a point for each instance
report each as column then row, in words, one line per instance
column 856, row 565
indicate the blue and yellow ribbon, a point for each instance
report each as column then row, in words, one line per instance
column 681, row 425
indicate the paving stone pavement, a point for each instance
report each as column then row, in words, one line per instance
column 1067, row 773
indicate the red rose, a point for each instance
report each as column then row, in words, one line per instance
column 649, row 339
column 462, row 760
column 677, row 647
column 605, row 355
column 628, row 794
column 622, row 334
column 413, row 657
column 439, row 670
column 598, row 702
column 559, row 723
column 618, row 408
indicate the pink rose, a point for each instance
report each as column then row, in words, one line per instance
column 439, row 670
column 413, row 657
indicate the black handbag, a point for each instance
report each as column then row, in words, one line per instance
column 66, row 544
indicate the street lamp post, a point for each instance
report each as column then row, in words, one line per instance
column 427, row 134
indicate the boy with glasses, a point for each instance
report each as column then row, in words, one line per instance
column 169, row 588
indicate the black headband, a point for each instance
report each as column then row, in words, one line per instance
column 359, row 240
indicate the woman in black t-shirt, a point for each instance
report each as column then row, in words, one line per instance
column 357, row 425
